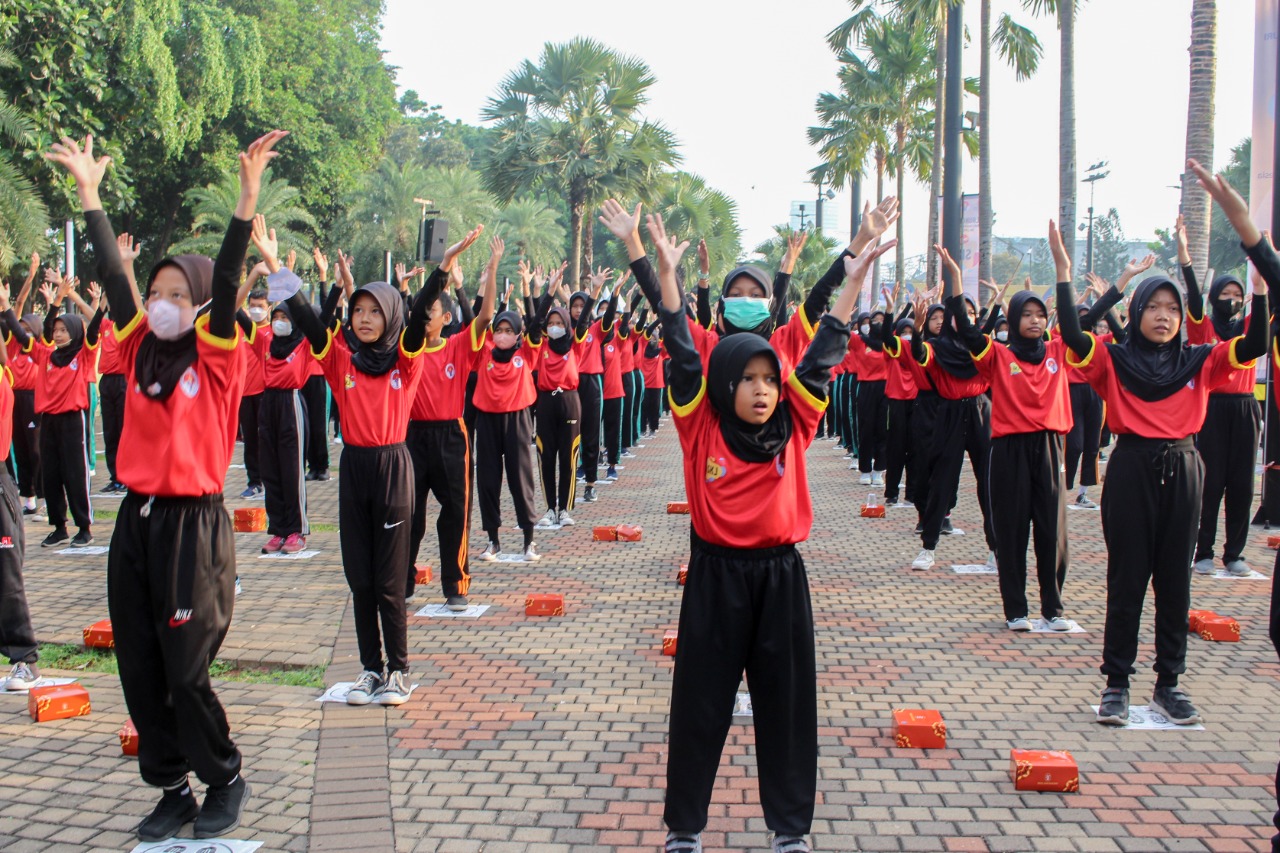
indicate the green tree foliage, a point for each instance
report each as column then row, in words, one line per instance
column 23, row 217
column 1110, row 249
column 1225, row 254
column 815, row 258
column 212, row 207
column 426, row 136
column 531, row 230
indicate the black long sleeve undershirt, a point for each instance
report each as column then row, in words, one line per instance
column 820, row 294
column 974, row 338
column 16, row 328
column 49, row 320
column 1069, row 321
column 703, row 305
column 464, row 307
column 1195, row 298
column 93, row 330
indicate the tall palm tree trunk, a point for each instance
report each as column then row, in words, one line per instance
column 576, row 205
column 1195, row 201
column 936, row 171
column 986, row 219
column 875, row 265
column 900, row 255
column 1067, row 129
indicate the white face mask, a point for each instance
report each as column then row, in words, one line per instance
column 504, row 340
column 165, row 320
column 555, row 332
column 865, row 329
column 257, row 314
column 281, row 328
column 1002, row 335
column 906, row 339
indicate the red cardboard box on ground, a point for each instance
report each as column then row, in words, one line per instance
column 544, row 604
column 677, row 508
column 669, row 643
column 57, row 702
column 682, row 574
column 1222, row 629
column 1273, row 542
column 1044, row 770
column 1194, row 617
column 919, row 729
column 128, row 738
column 99, row 635
column 422, row 575
column 629, row 533
column 869, row 511
column 250, row 519
column 604, row 534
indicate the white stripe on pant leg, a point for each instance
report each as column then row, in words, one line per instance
column 299, row 418
column 88, row 476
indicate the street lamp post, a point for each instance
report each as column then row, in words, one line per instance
column 1094, row 175
column 802, row 217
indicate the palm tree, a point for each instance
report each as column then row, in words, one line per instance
column 693, row 210
column 382, row 216
column 572, row 124
column 212, row 207
column 458, row 193
column 1195, row 202
column 23, row 216
column 813, row 262
column 533, row 231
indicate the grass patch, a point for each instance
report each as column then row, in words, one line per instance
column 324, row 528
column 70, row 656
column 105, row 514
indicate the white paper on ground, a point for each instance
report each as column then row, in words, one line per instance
column 441, row 611
column 338, row 693
column 1223, row 574
column 508, row 558
column 1143, row 718
column 236, row 465
column 742, row 707
column 1086, row 508
column 210, row 845
column 974, row 570
column 1040, row 627
column 281, row 555
column 43, row 682
column 541, row 526
column 89, row 551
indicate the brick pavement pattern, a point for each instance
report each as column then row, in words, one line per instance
column 548, row 733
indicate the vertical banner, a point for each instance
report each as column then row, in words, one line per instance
column 1264, row 111
column 969, row 241
column 70, row 260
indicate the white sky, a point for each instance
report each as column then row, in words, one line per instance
column 737, row 83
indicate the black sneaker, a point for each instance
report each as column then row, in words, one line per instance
column 947, row 529
column 83, row 539
column 919, row 527
column 456, row 603
column 590, row 494
column 223, row 806
column 1175, row 705
column 175, row 808
column 321, row 476
column 56, row 538
column 1114, row 708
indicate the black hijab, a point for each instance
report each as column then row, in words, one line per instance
column 562, row 345
column 749, row 442
column 757, row 275
column 1148, row 370
column 62, row 356
column 1030, row 350
column 160, row 364
column 502, row 356
column 951, row 350
column 1228, row 317
column 925, row 334
column 379, row 357
column 283, row 347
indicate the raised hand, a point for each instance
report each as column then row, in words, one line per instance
column 704, row 259
column 954, row 276
column 53, row 277
column 1061, row 261
column 626, row 276
column 451, row 253
column 80, row 163
column 455, row 277
column 46, row 291
column 266, row 243
column 622, row 224
column 4, row 295
column 321, row 262
column 1097, row 285
column 524, row 273
column 34, row 268
column 1132, row 269
column 291, row 260
column 875, row 221
column 1231, row 202
column 1026, row 283
column 795, row 245
column 598, row 279
column 669, row 254
column 402, row 278
column 253, row 162
column 343, row 272
column 129, row 250
column 1180, row 240
column 855, row 271
column 95, row 292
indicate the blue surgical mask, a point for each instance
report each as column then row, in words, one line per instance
column 745, row 312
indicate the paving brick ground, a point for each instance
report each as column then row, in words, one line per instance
column 548, row 734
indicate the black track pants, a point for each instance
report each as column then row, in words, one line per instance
column 963, row 426
column 1028, row 496
column 744, row 609
column 111, row 387
column 629, row 403
column 504, row 439
column 897, row 447
column 873, row 418
column 1150, row 506
column 64, row 462
column 250, row 417
column 17, row 638
column 611, row 414
column 558, row 414
column 1085, row 436
column 591, row 396
column 26, row 444
column 282, row 426
column 652, row 409
column 1228, row 444
column 316, row 395
column 164, row 662
column 924, row 420
column 375, row 514
column 442, row 467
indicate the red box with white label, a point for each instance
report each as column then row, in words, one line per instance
column 917, row 728
column 682, row 574
column 57, row 702
column 544, row 604
column 422, row 574
column 1044, row 770
column 1221, row 629
column 669, row 643
column 628, row 533
column 604, row 534
column 100, row 636
column 677, row 508
column 1194, row 617
column 128, row 738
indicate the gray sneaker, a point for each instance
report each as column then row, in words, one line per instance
column 23, row 676
column 1239, row 568
column 456, row 603
column 395, row 691
column 1022, row 623
column 790, row 844
column 1175, row 705
column 565, row 520
column 1056, row 623
column 683, row 842
column 1113, row 709
column 362, row 692
column 1203, row 567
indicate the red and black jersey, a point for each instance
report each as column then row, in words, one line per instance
column 748, row 504
column 181, row 446
column 1074, row 376
column 555, row 371
column 1027, row 397
column 870, row 363
column 255, row 356
column 948, row 385
column 611, row 353
column 791, row 341
column 22, row 363
column 1175, row 417
column 63, row 389
column 443, row 389
column 506, row 386
column 651, row 369
column 375, row 409
column 6, row 412
column 900, row 381
column 626, row 351
column 899, row 352
column 109, row 350
column 1202, row 332
column 587, row 349
column 291, row 372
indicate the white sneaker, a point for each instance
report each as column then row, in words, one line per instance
column 901, row 504
column 394, row 691
column 1021, row 624
column 530, row 555
column 362, row 692
column 490, row 554
column 991, row 560
column 864, row 480
column 877, row 478
column 1057, row 623
column 549, row 518
column 23, row 676
column 923, row 561
column 565, row 520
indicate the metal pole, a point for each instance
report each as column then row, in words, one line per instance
column 855, row 208
column 952, row 203
column 1270, row 455
column 71, row 249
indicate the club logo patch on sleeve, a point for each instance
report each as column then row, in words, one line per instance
column 716, row 468
column 348, row 382
column 1014, row 368
column 1051, row 365
column 450, row 371
column 396, row 383
column 190, row 383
